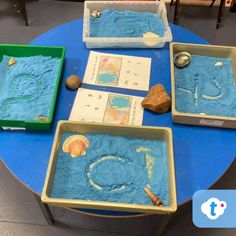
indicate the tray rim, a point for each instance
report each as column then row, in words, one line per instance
column 177, row 116
column 114, row 206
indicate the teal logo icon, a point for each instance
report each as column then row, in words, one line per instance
column 213, row 208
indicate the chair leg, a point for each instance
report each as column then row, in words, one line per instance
column 171, row 3
column 176, row 14
column 18, row 7
column 14, row 3
column 220, row 13
column 212, row 3
column 23, row 11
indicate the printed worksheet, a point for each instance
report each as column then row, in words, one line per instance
column 118, row 71
column 108, row 108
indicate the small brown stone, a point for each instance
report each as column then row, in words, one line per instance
column 157, row 99
column 73, row 82
column 156, row 89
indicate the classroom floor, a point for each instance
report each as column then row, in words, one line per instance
column 19, row 212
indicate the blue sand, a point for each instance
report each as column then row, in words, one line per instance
column 216, row 90
column 107, row 78
column 120, row 102
column 27, row 87
column 121, row 177
column 113, row 23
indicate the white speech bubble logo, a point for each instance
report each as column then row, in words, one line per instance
column 213, row 208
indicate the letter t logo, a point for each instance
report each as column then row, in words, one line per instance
column 213, row 205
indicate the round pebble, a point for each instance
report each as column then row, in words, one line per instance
column 73, row 82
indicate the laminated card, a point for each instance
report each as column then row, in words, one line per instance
column 105, row 107
column 118, row 71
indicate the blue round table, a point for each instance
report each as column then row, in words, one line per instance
column 202, row 154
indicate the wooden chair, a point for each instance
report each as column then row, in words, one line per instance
column 20, row 7
column 219, row 17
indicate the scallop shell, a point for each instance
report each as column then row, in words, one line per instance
column 75, row 145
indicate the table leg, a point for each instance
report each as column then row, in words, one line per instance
column 220, row 13
column 45, row 210
column 212, row 3
column 176, row 14
column 23, row 11
column 164, row 222
column 171, row 2
column 17, row 6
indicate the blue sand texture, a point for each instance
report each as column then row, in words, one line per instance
column 122, row 177
column 107, row 78
column 26, row 88
column 120, row 102
column 211, row 81
column 113, row 23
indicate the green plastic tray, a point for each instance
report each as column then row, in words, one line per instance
column 27, row 51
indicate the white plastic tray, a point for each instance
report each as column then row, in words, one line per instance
column 144, row 6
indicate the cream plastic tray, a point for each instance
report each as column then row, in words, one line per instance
column 203, row 50
column 142, row 6
column 154, row 133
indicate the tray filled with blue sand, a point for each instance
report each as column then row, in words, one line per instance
column 29, row 82
column 203, row 84
column 125, row 24
column 119, row 168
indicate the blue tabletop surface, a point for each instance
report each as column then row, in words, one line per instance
column 201, row 154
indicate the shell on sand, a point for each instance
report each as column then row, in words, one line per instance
column 219, row 64
column 155, row 200
column 42, row 118
column 11, row 61
column 150, row 39
column 95, row 14
column 75, row 145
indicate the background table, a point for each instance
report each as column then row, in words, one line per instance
column 202, row 154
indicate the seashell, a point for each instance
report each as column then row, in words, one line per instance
column 152, row 42
column 95, row 14
column 150, row 35
column 75, row 145
column 156, row 201
column 42, row 118
column 219, row 64
column 182, row 59
column 11, row 62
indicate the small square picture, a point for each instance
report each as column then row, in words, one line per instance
column 118, row 110
column 109, row 70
